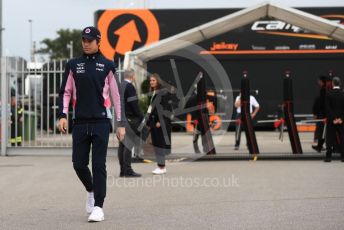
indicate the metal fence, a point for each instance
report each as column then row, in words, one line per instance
column 30, row 112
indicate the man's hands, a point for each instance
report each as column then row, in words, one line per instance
column 337, row 121
column 253, row 115
column 62, row 125
column 120, row 133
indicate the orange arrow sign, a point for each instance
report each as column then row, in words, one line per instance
column 107, row 47
column 128, row 35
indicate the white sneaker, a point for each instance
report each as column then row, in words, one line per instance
column 89, row 202
column 97, row 215
column 159, row 171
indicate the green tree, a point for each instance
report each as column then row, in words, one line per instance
column 145, row 86
column 144, row 100
column 58, row 48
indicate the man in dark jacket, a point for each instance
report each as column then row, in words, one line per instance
column 133, row 117
column 89, row 82
column 319, row 113
column 335, row 117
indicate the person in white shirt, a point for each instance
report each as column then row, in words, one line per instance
column 254, row 108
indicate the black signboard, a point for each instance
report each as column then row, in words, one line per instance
column 266, row 48
column 126, row 30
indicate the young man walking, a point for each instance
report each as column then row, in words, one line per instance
column 88, row 83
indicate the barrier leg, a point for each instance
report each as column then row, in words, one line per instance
column 246, row 117
column 289, row 115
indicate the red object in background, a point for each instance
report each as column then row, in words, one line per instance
column 278, row 123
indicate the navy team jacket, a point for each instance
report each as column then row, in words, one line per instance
column 88, row 82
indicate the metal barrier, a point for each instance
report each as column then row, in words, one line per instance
column 29, row 115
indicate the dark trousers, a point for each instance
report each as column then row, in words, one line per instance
column 196, row 133
column 161, row 140
column 124, row 157
column 334, row 139
column 97, row 136
column 202, row 128
column 238, row 129
column 126, row 145
column 319, row 134
column 160, row 148
column 16, row 133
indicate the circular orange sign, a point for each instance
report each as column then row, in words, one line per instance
column 125, row 44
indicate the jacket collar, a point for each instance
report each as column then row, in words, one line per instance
column 92, row 56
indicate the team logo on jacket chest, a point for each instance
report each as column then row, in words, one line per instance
column 80, row 68
column 100, row 66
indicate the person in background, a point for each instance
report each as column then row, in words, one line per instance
column 196, row 115
column 133, row 117
column 159, row 122
column 254, row 108
column 16, row 120
column 319, row 113
column 334, row 107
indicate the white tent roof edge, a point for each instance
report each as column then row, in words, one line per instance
column 305, row 20
column 240, row 18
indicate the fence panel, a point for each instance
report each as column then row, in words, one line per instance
column 31, row 112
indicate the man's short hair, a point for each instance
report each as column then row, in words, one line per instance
column 129, row 73
column 336, row 81
column 323, row 78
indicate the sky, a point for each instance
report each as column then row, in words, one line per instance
column 49, row 16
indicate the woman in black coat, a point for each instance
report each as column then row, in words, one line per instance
column 160, row 110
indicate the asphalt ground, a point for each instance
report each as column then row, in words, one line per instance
column 42, row 192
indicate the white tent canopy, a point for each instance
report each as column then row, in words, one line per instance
column 136, row 59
